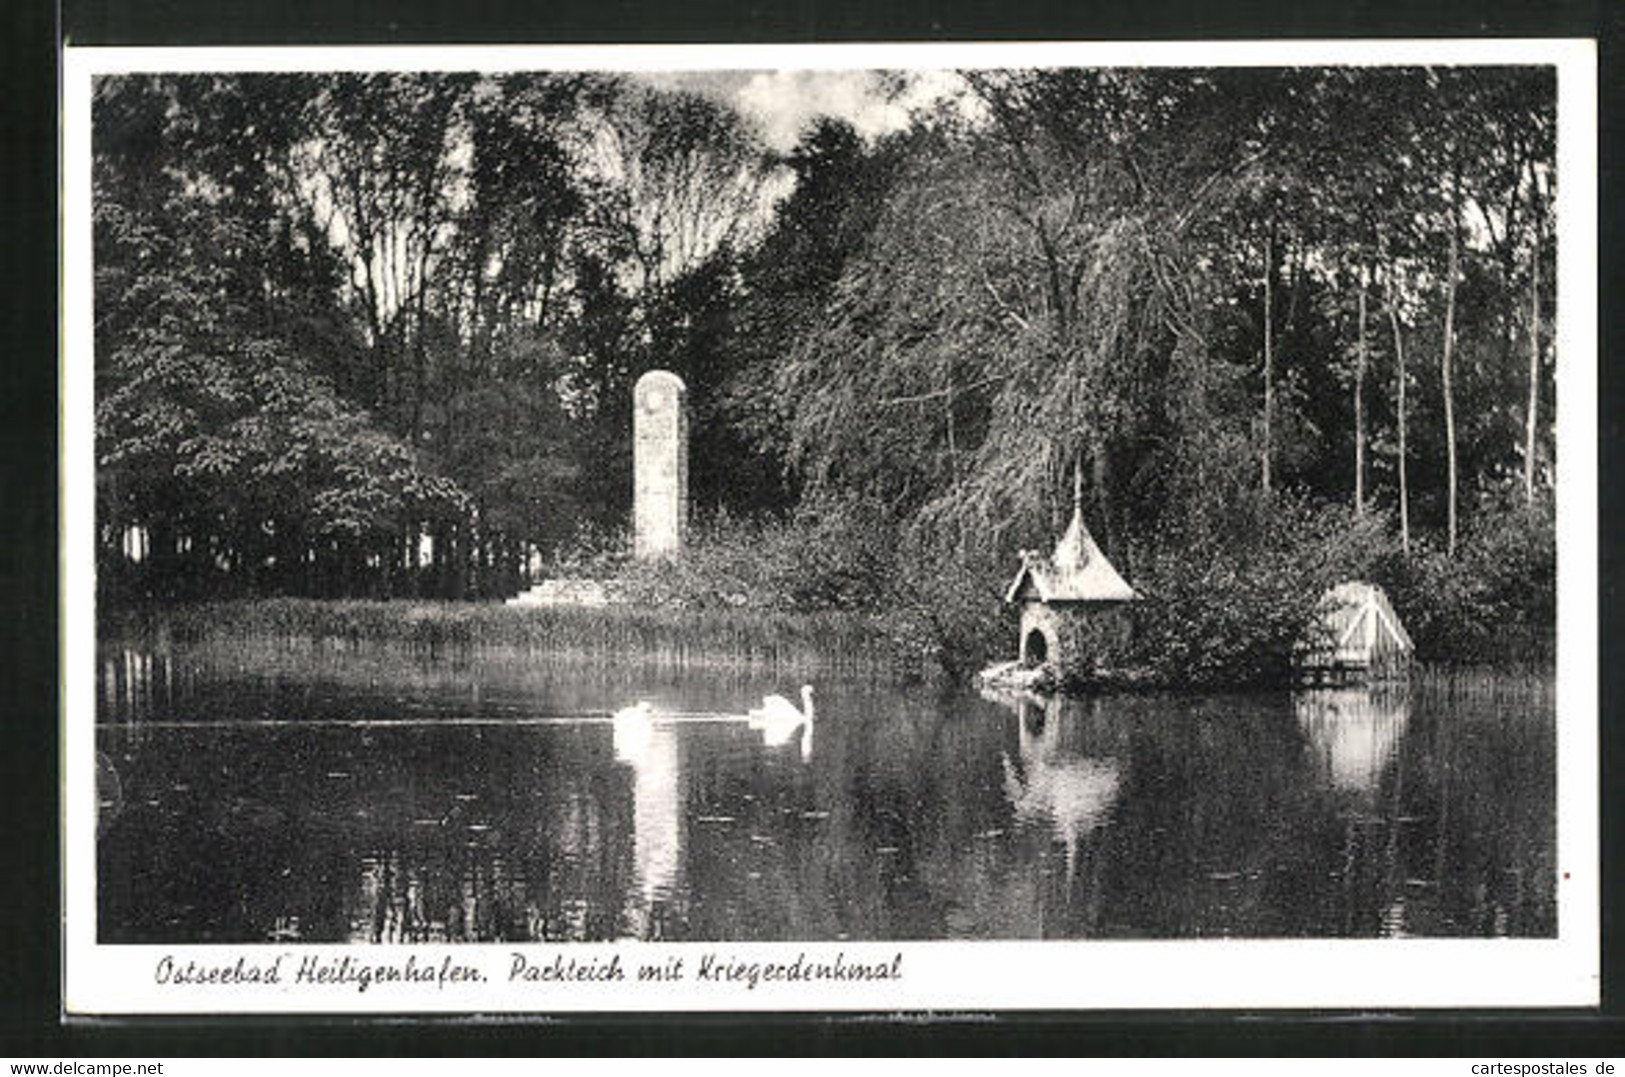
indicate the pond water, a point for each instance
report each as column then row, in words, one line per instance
column 267, row 791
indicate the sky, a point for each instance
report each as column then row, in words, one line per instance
column 782, row 102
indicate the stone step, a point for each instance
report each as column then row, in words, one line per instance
column 589, row 593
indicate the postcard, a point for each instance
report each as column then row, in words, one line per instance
column 884, row 528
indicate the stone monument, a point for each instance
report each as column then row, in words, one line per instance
column 659, row 464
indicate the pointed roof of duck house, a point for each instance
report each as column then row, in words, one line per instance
column 1076, row 572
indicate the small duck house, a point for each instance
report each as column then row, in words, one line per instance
column 1074, row 604
column 1356, row 637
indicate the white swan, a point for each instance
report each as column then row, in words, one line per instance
column 632, row 728
column 641, row 712
column 778, row 719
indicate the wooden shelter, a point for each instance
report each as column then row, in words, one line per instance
column 1356, row 637
column 1074, row 604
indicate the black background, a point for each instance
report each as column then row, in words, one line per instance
column 31, row 35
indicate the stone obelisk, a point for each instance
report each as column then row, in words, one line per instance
column 659, row 464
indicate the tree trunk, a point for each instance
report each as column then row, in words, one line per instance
column 1269, row 353
column 1445, row 371
column 1532, row 413
column 417, row 396
column 1100, row 475
column 1359, row 406
column 162, row 561
column 457, row 556
column 1400, row 416
column 953, row 449
column 439, row 563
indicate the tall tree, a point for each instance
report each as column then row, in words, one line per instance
column 383, row 173
column 1359, row 398
column 456, row 279
column 1401, row 416
column 1269, row 357
column 1532, row 411
column 1446, row 371
column 684, row 176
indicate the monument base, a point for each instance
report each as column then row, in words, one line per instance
column 589, row 594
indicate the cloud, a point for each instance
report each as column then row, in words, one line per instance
column 783, row 103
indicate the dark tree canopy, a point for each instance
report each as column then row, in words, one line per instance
column 378, row 332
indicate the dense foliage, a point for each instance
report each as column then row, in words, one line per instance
column 376, row 335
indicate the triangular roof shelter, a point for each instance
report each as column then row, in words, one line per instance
column 1076, row 572
column 1358, row 627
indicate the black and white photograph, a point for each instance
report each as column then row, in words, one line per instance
column 743, row 528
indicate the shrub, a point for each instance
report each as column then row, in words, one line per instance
column 946, row 610
column 593, row 552
column 830, row 555
column 1231, row 609
column 1494, row 601
column 937, row 610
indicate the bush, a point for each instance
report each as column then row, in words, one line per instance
column 831, row 555
column 1494, row 601
column 938, row 611
column 945, row 608
column 1229, row 610
column 593, row 552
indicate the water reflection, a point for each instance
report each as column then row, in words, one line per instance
column 1354, row 733
column 657, row 814
column 1056, row 781
column 263, row 792
column 109, row 792
column 1355, row 737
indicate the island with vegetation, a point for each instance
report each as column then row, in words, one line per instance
column 365, row 347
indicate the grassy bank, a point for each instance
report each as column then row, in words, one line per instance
column 845, row 641
column 837, row 641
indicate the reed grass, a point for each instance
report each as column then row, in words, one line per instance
column 836, row 641
column 748, row 638
column 1526, row 683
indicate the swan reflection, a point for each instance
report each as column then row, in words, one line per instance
column 649, row 746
